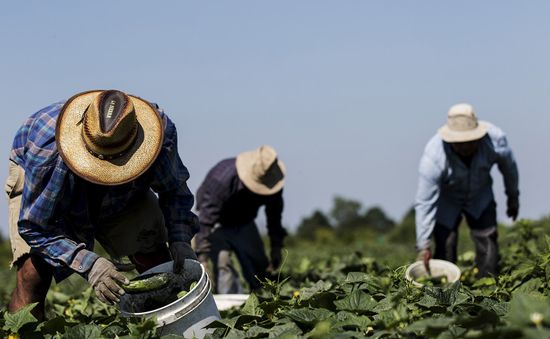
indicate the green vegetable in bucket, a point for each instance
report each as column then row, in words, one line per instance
column 147, row 283
column 183, row 293
column 433, row 280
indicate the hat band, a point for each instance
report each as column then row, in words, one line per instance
column 126, row 145
column 109, row 156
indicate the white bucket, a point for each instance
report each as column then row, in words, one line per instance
column 437, row 268
column 187, row 316
column 227, row 301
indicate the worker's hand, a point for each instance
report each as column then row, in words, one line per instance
column 106, row 281
column 425, row 255
column 275, row 257
column 180, row 251
column 512, row 209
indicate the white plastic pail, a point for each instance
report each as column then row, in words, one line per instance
column 437, row 268
column 186, row 316
column 227, row 301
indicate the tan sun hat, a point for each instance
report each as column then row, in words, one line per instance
column 462, row 125
column 108, row 137
column 261, row 171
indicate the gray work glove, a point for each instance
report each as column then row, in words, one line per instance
column 180, row 251
column 106, row 281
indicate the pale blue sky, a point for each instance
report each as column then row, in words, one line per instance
column 348, row 92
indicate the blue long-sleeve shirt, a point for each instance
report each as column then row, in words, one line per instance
column 56, row 212
column 446, row 186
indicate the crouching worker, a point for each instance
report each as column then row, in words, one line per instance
column 455, row 181
column 228, row 201
column 87, row 169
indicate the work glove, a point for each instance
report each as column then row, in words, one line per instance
column 425, row 255
column 512, row 209
column 180, row 251
column 275, row 257
column 106, row 281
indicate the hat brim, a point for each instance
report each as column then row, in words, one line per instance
column 451, row 136
column 134, row 162
column 244, row 171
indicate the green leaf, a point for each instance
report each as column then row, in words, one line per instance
column 357, row 301
column 55, row 325
column 257, row 331
column 485, row 318
column 251, row 307
column 320, row 286
column 532, row 285
column 308, row 316
column 83, row 331
column 286, row 329
column 113, row 331
column 13, row 322
column 356, row 277
column 348, row 320
column 144, row 326
column 430, row 327
column 524, row 308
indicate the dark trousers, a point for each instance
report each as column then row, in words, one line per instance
column 483, row 231
column 246, row 243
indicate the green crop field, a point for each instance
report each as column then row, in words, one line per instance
column 340, row 286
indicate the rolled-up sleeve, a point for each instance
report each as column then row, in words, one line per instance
column 427, row 197
column 43, row 190
column 170, row 182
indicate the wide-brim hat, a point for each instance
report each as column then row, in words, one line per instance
column 108, row 152
column 462, row 125
column 261, row 171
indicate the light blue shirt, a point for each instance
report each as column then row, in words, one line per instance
column 447, row 187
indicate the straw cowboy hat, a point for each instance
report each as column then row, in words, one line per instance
column 462, row 125
column 108, row 137
column 261, row 171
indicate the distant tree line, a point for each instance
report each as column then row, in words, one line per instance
column 348, row 217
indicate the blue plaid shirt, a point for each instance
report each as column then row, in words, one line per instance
column 55, row 217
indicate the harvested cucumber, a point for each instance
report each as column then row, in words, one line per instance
column 433, row 280
column 147, row 283
column 183, row 293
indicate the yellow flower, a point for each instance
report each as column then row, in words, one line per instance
column 13, row 336
column 296, row 294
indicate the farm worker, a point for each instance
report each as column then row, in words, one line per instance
column 455, row 181
column 228, row 201
column 87, row 168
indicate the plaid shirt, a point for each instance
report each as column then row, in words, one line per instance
column 223, row 198
column 56, row 209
